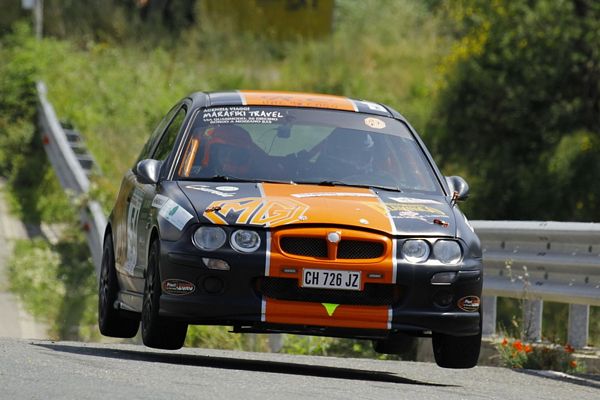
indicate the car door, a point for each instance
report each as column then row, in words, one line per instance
column 139, row 214
column 128, row 206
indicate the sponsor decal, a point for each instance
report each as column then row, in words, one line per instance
column 408, row 209
column 375, row 106
column 469, row 303
column 241, row 115
column 255, row 211
column 178, row 287
column 175, row 214
column 297, row 100
column 374, row 123
column 159, row 201
column 207, row 189
column 412, row 200
column 227, row 188
column 332, row 194
column 330, row 308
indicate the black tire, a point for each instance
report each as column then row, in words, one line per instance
column 399, row 344
column 456, row 351
column 110, row 322
column 157, row 332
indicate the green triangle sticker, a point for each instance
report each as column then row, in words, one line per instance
column 330, row 308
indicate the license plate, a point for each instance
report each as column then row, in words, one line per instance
column 328, row 279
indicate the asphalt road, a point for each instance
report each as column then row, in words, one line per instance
column 67, row 370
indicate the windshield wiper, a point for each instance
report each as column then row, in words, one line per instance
column 360, row 185
column 229, row 178
column 215, row 178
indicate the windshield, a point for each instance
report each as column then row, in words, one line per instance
column 304, row 146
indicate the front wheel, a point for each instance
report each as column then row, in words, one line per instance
column 456, row 351
column 158, row 332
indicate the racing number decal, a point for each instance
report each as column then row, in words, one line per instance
column 133, row 216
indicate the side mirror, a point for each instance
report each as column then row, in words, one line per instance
column 458, row 187
column 148, row 171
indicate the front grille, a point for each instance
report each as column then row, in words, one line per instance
column 316, row 247
column 304, row 246
column 359, row 249
column 374, row 294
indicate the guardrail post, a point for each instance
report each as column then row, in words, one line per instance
column 579, row 325
column 532, row 319
column 489, row 315
column 275, row 342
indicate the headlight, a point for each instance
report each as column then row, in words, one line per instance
column 415, row 250
column 245, row 241
column 209, row 238
column 447, row 251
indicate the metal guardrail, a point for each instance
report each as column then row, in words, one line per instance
column 541, row 261
column 551, row 261
column 72, row 176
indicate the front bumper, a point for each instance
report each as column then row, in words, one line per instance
column 236, row 298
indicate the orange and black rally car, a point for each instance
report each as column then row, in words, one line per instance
column 289, row 212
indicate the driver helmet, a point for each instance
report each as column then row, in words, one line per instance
column 351, row 148
column 227, row 150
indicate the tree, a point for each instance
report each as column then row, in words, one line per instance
column 519, row 112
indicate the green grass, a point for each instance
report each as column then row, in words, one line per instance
column 57, row 283
column 116, row 94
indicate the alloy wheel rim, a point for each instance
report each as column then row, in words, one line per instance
column 148, row 294
column 104, row 288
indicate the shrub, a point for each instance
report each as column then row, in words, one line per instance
column 518, row 354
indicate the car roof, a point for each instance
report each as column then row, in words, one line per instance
column 291, row 99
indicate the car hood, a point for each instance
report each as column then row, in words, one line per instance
column 274, row 204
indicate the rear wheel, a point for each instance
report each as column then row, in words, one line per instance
column 110, row 322
column 158, row 332
column 456, row 351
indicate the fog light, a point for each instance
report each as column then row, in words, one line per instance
column 213, row 285
column 443, row 299
column 215, row 263
column 443, row 278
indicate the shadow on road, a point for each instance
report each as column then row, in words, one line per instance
column 578, row 379
column 238, row 364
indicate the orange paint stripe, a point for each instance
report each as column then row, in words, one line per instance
column 291, row 99
column 315, row 314
column 339, row 206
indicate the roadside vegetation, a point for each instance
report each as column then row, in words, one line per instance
column 467, row 74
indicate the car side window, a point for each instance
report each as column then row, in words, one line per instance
column 160, row 128
column 168, row 139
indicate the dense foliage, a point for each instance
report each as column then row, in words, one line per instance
column 519, row 111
